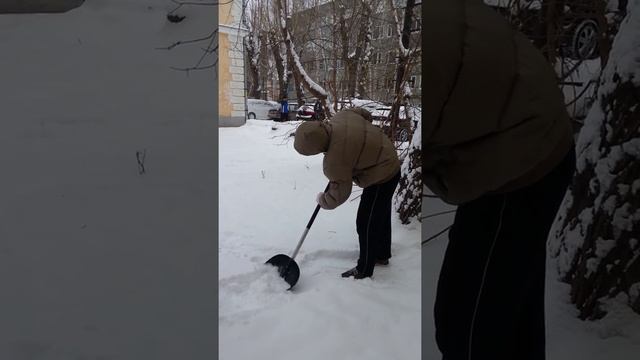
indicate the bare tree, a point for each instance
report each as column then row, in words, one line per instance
column 406, row 57
column 254, row 54
column 282, row 16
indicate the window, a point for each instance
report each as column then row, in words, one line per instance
column 389, row 30
column 376, row 32
column 416, row 24
column 377, row 58
column 414, row 81
column 391, row 57
column 390, row 83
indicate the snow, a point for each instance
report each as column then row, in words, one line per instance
column 623, row 219
column 618, row 333
column 97, row 261
column 267, row 196
column 616, row 337
column 624, row 49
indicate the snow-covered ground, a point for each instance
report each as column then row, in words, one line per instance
column 267, row 195
column 96, row 260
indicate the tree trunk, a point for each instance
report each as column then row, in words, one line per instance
column 264, row 64
column 365, row 57
column 279, row 62
column 253, row 55
column 402, row 68
column 598, row 233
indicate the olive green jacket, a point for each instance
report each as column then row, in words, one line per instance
column 354, row 151
column 494, row 118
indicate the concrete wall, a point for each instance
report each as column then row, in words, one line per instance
column 38, row 6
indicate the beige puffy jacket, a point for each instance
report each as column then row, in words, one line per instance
column 494, row 119
column 355, row 151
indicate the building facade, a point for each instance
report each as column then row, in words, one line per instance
column 231, row 64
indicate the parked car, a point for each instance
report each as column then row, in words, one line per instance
column 305, row 112
column 262, row 109
column 369, row 105
column 380, row 117
column 274, row 114
column 578, row 38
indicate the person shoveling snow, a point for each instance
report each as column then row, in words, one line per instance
column 355, row 151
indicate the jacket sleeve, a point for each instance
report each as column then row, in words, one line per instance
column 340, row 181
column 337, row 194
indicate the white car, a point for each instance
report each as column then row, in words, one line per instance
column 262, row 109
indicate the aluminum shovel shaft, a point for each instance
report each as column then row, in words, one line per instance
column 287, row 267
column 304, row 233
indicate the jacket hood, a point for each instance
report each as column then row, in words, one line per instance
column 312, row 137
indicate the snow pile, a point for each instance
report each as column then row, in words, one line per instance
column 267, row 196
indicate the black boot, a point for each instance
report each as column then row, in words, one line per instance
column 353, row 272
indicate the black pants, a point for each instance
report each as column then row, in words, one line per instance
column 284, row 117
column 373, row 224
column 490, row 300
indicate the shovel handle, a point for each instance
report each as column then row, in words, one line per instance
column 306, row 230
column 315, row 212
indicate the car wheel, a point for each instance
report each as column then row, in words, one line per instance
column 403, row 135
column 251, row 115
column 584, row 44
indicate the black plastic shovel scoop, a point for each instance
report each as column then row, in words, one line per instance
column 287, row 267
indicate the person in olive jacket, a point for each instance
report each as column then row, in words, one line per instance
column 497, row 142
column 355, row 151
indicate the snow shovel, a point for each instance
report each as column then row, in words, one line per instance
column 287, row 267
